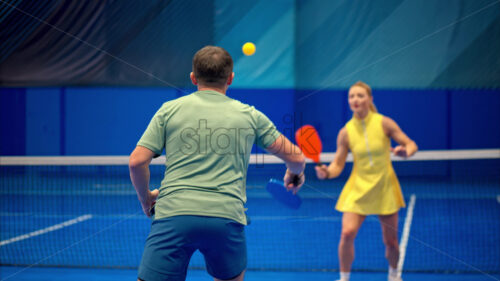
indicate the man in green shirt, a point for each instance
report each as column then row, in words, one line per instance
column 207, row 138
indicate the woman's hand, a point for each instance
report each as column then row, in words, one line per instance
column 400, row 151
column 321, row 171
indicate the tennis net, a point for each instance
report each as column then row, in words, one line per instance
column 83, row 212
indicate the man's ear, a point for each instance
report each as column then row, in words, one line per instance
column 230, row 79
column 193, row 78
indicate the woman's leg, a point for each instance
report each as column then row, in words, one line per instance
column 389, row 225
column 351, row 223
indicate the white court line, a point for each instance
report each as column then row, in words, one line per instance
column 46, row 230
column 406, row 234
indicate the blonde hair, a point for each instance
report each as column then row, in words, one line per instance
column 368, row 90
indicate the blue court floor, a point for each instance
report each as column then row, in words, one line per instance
column 56, row 274
column 78, row 225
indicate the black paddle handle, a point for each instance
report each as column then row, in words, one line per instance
column 296, row 179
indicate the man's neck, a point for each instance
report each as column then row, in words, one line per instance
column 208, row 88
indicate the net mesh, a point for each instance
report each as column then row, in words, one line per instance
column 86, row 214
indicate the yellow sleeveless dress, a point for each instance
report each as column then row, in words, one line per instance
column 372, row 187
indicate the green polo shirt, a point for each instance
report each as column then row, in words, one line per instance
column 207, row 138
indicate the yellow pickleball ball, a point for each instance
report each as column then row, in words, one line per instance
column 248, row 48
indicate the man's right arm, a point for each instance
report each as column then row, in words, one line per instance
column 293, row 158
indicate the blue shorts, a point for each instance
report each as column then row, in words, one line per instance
column 173, row 240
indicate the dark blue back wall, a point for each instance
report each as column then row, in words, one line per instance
column 12, row 121
column 326, row 110
column 277, row 104
column 422, row 114
column 44, row 126
column 475, row 118
column 109, row 121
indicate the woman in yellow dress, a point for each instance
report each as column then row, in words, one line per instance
column 372, row 188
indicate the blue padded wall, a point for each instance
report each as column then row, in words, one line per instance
column 44, row 131
column 12, row 121
column 109, row 121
